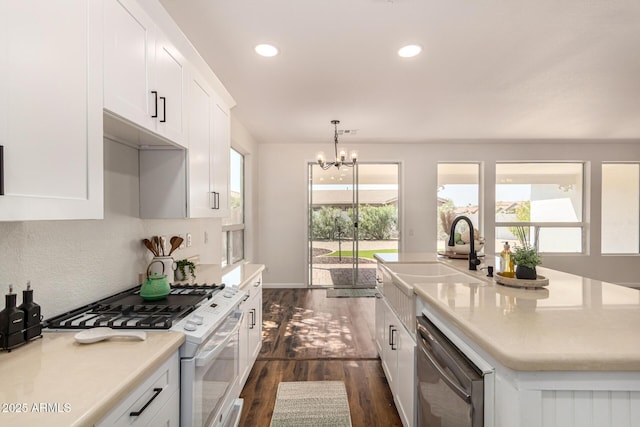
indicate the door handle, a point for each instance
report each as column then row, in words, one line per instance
column 155, row 94
column 164, row 109
column 390, row 334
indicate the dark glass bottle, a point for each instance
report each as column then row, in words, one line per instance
column 11, row 323
column 31, row 310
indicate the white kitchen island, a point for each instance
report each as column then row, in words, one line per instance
column 567, row 355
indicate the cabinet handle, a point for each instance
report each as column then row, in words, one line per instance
column 390, row 328
column 155, row 94
column 156, row 392
column 393, row 343
column 253, row 318
column 164, row 109
column 215, row 200
column 1, row 170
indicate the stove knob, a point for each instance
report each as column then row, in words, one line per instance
column 197, row 319
column 227, row 294
column 190, row 326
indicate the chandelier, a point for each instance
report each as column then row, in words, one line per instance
column 340, row 157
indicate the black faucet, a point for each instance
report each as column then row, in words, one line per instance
column 473, row 257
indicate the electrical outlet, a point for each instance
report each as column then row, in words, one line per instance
column 188, row 239
column 183, row 244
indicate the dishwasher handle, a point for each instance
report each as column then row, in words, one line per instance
column 445, row 377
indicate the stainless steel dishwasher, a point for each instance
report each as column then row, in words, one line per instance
column 450, row 387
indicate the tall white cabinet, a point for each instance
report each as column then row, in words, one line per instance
column 51, row 110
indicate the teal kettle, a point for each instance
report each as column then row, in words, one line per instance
column 156, row 286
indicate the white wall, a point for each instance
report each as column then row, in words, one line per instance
column 282, row 198
column 72, row 263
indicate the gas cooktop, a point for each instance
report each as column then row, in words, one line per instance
column 128, row 310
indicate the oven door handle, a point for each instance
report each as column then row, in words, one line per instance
column 446, row 378
column 205, row 358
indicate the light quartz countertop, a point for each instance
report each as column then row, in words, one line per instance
column 58, row 382
column 574, row 324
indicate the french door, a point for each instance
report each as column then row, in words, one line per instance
column 336, row 217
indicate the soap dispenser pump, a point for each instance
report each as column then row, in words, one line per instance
column 31, row 310
column 11, row 323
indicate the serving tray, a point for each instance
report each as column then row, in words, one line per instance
column 540, row 282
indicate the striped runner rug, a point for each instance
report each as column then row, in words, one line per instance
column 311, row 403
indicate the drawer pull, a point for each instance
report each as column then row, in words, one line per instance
column 156, row 392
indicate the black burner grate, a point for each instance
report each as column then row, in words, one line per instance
column 128, row 310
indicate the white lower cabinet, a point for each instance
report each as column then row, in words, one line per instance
column 51, row 110
column 397, row 351
column 251, row 335
column 155, row 402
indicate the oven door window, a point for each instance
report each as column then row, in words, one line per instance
column 216, row 371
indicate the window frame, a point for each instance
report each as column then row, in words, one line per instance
column 229, row 229
column 537, row 225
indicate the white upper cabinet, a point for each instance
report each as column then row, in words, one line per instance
column 51, row 109
column 221, row 157
column 201, row 155
column 144, row 73
column 195, row 183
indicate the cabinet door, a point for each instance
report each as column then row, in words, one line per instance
column 51, row 109
column 221, row 157
column 390, row 347
column 243, row 347
column 129, row 53
column 168, row 80
column 255, row 328
column 201, row 198
column 380, row 325
column 405, row 384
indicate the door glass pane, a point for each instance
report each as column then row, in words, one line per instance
column 458, row 194
column 333, row 240
column 620, row 208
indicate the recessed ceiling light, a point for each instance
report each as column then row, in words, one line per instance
column 266, row 50
column 409, row 51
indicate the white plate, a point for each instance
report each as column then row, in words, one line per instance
column 98, row 334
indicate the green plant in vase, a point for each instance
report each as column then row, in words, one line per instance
column 526, row 259
column 182, row 266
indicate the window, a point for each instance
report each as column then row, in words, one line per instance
column 540, row 204
column 233, row 225
column 458, row 194
column 620, row 208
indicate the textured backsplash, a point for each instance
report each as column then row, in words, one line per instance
column 71, row 263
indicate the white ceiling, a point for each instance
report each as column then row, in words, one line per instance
column 505, row 69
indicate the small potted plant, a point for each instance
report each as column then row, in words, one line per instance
column 526, row 259
column 182, row 266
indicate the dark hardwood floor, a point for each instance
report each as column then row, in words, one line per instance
column 308, row 337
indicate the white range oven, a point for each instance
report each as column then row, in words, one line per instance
column 209, row 363
column 210, row 318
